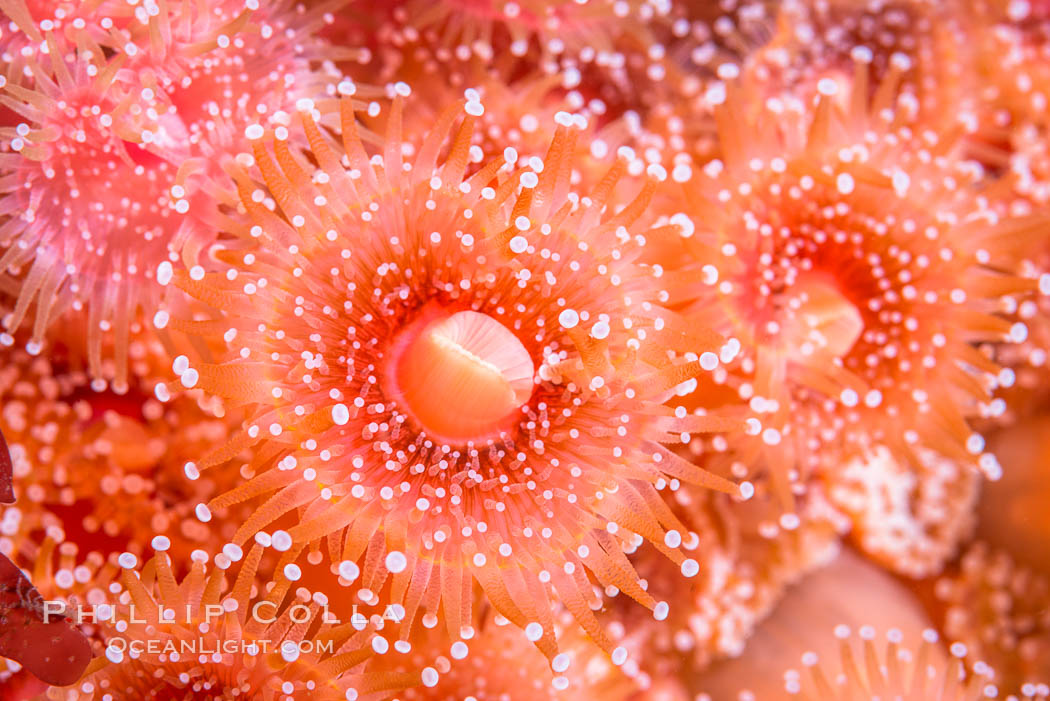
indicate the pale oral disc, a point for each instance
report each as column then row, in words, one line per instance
column 826, row 322
column 463, row 375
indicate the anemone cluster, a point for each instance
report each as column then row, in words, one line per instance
column 625, row 350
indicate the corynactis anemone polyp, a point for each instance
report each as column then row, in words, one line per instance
column 528, row 102
column 528, row 295
column 128, row 120
column 1011, row 62
column 587, row 32
column 1012, row 137
column 897, row 672
column 215, row 69
column 699, row 37
column 750, row 555
column 848, row 593
column 228, row 64
column 212, row 635
column 90, row 215
column 845, row 248
column 607, row 49
column 922, row 41
column 499, row 663
column 108, row 464
column 997, row 608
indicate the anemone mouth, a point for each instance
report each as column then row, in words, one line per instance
column 461, row 376
column 823, row 321
column 810, row 319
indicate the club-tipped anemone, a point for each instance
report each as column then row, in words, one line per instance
column 615, row 52
column 639, row 351
column 896, row 669
column 110, row 465
column 126, row 120
column 748, row 555
column 924, row 43
column 844, row 246
column 500, row 663
column 699, row 38
column 1025, row 189
column 789, row 49
column 575, row 33
column 223, row 631
column 1010, row 63
column 215, row 69
column 720, row 32
column 997, row 608
column 527, row 450
column 528, row 98
column 848, row 593
column 86, row 192
column 1014, row 141
column 223, row 66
